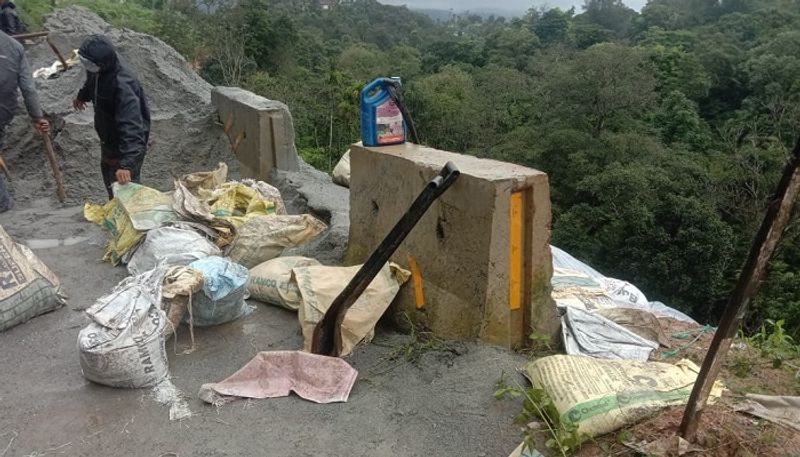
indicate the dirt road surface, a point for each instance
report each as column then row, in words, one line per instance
column 442, row 405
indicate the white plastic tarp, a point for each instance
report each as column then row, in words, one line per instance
column 622, row 293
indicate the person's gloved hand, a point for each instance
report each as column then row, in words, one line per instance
column 123, row 177
column 79, row 105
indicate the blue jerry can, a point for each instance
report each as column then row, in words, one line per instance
column 381, row 120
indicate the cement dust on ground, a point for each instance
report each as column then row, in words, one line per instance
column 441, row 404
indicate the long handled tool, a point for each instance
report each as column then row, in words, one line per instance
column 4, row 169
column 775, row 221
column 27, row 36
column 327, row 338
column 51, row 156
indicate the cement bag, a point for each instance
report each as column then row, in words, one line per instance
column 134, row 209
column 593, row 335
column 236, row 203
column 121, row 235
column 224, row 291
column 264, row 238
column 271, row 282
column 148, row 208
column 341, row 173
column 170, row 246
column 124, row 345
column 574, row 289
column 320, row 285
column 27, row 287
column 202, row 181
column 600, row 396
column 268, row 192
column 179, row 286
column 197, row 213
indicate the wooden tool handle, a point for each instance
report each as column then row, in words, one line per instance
column 51, row 156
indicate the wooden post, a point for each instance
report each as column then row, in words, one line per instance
column 778, row 213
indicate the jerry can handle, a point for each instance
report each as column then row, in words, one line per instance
column 366, row 98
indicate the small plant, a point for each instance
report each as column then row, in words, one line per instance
column 537, row 406
column 625, row 436
column 741, row 365
column 774, row 343
column 540, row 341
column 420, row 342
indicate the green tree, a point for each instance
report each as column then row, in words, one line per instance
column 553, row 26
column 601, row 88
column 679, row 121
column 611, row 15
column 448, row 95
column 679, row 70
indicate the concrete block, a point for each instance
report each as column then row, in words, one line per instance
column 261, row 131
column 482, row 250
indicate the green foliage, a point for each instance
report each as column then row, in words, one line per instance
column 420, row 342
column 602, row 88
column 540, row 342
column 678, row 70
column 680, row 123
column 741, row 365
column 119, row 14
column 537, row 406
column 774, row 343
column 553, row 26
column 612, row 15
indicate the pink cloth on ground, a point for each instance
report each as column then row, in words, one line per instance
column 275, row 374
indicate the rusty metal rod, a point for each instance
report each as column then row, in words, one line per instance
column 764, row 244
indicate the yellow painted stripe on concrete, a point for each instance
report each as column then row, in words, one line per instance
column 416, row 276
column 516, row 241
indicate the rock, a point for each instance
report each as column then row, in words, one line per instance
column 312, row 191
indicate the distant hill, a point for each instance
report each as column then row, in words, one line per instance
column 507, row 8
column 445, row 15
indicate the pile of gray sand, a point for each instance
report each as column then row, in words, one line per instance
column 185, row 136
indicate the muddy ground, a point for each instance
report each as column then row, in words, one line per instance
column 441, row 406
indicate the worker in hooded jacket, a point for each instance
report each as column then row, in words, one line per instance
column 10, row 22
column 121, row 116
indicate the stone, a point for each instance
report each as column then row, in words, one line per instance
column 464, row 247
column 261, row 131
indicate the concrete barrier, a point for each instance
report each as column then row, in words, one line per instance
column 480, row 255
column 261, row 131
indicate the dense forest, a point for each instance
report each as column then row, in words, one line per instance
column 663, row 132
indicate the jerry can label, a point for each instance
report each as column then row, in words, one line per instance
column 389, row 121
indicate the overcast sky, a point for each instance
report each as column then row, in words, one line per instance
column 511, row 5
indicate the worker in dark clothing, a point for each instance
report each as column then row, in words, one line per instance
column 15, row 74
column 10, row 22
column 121, row 117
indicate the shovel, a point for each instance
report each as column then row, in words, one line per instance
column 327, row 337
column 4, row 169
